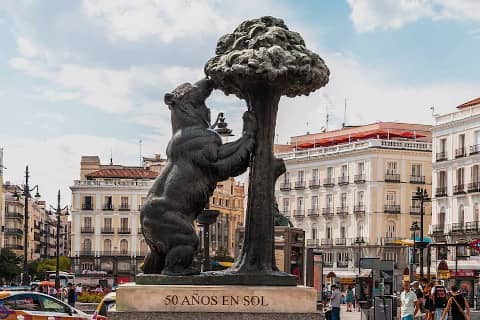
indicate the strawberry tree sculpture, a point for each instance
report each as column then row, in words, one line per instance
column 259, row 62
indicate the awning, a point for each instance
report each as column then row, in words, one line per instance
column 411, row 135
column 409, row 242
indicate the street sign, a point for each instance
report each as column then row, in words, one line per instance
column 475, row 244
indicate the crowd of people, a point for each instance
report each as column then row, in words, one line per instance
column 433, row 300
column 70, row 293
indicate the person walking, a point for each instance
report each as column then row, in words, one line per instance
column 429, row 305
column 71, row 295
column 350, row 299
column 335, row 301
column 419, row 293
column 408, row 302
column 439, row 298
column 459, row 306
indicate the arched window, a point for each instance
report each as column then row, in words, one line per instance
column 123, row 246
column 107, row 245
column 390, row 232
column 461, row 214
column 87, row 245
column 441, row 217
column 143, row 247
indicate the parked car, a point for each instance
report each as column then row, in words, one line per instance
column 108, row 302
column 36, row 306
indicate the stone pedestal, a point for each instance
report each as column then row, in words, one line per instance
column 214, row 302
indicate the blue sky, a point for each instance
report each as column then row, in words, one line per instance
column 88, row 77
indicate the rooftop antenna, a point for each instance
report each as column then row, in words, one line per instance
column 140, row 151
column 111, row 157
column 433, row 110
column 1, row 162
column 345, row 114
column 326, row 117
column 307, row 128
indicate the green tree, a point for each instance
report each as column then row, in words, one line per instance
column 9, row 265
column 51, row 264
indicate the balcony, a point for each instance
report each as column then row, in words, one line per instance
column 285, row 186
column 359, row 178
column 341, row 211
column 328, row 182
column 108, row 207
column 342, row 264
column 327, row 242
column 124, row 230
column 86, row 253
column 300, row 184
column 13, row 246
column 13, row 215
column 124, row 207
column 343, row 180
column 392, row 208
column 441, row 156
column 299, row 213
column 13, row 231
column 392, row 177
column 314, row 184
column 327, row 264
column 438, row 229
column 327, row 211
column 341, row 241
column 108, row 230
column 313, row 242
column 456, row 227
column 472, row 227
column 313, row 212
column 474, row 187
column 359, row 209
column 415, row 210
column 459, row 189
column 441, row 192
column 87, row 229
column 417, row 179
column 474, row 149
column 460, row 152
column 87, row 206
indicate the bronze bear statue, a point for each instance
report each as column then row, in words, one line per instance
column 197, row 160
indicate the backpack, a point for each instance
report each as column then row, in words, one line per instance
column 440, row 297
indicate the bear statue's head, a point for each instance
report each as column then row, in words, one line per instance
column 187, row 104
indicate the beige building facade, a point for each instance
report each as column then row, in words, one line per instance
column 357, row 183
column 456, row 181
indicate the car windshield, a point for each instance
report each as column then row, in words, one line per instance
column 52, row 305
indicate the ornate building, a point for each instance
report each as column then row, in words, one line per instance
column 356, row 183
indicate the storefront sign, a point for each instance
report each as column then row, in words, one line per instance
column 462, row 273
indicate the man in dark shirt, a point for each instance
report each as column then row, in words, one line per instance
column 71, row 295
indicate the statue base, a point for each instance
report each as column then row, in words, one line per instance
column 214, row 302
column 213, row 278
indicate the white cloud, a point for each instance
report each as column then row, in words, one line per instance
column 368, row 15
column 163, row 19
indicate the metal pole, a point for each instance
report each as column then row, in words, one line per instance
column 421, row 234
column 411, row 257
column 26, row 194
column 429, row 261
column 206, row 247
column 456, row 264
column 359, row 256
column 57, row 270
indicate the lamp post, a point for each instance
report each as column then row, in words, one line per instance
column 422, row 196
column 413, row 229
column 59, row 213
column 26, row 194
column 359, row 241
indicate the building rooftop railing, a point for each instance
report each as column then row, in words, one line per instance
column 353, row 146
column 109, row 184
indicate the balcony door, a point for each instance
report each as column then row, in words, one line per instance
column 300, row 176
column 343, row 200
column 391, row 198
column 329, row 200
column 441, row 217
column 416, row 170
column 460, row 176
column 314, row 205
column 87, row 222
column 392, row 167
column 474, row 174
column 286, row 177
column 461, row 214
column 391, row 230
column 315, row 177
column 300, row 204
column 286, row 205
column 344, row 171
column 107, row 245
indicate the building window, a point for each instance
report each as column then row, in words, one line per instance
column 314, row 204
column 286, row 177
column 108, row 203
column 124, row 203
column 286, row 205
column 87, row 222
column 214, row 200
column 330, row 173
column 416, row 170
column 329, row 232
column 300, row 176
column 391, row 230
column 87, row 203
column 107, row 223
column 344, row 172
column 314, row 231
column 123, row 266
column 300, row 204
column 443, row 145
column 461, row 214
column 315, row 175
column 392, row 167
column 343, row 200
column 391, row 198
column 360, row 168
column 329, row 200
column 475, row 212
column 461, row 141
column 107, row 245
column 460, row 176
column 360, row 198
column 343, row 232
column 124, row 223
column 123, row 246
column 227, row 203
column 87, row 245
column 220, row 202
column 441, row 217
column 360, row 230
column 474, row 174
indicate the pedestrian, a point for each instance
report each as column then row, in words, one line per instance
column 419, row 294
column 335, row 301
column 439, row 298
column 429, row 305
column 71, row 295
column 459, row 306
column 350, row 299
column 408, row 302
column 78, row 291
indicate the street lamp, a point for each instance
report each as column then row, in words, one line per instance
column 422, row 196
column 359, row 241
column 59, row 213
column 413, row 229
column 26, row 194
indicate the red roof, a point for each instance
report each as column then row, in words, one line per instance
column 470, row 103
column 128, row 173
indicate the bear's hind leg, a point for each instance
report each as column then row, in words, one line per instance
column 154, row 262
column 179, row 261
